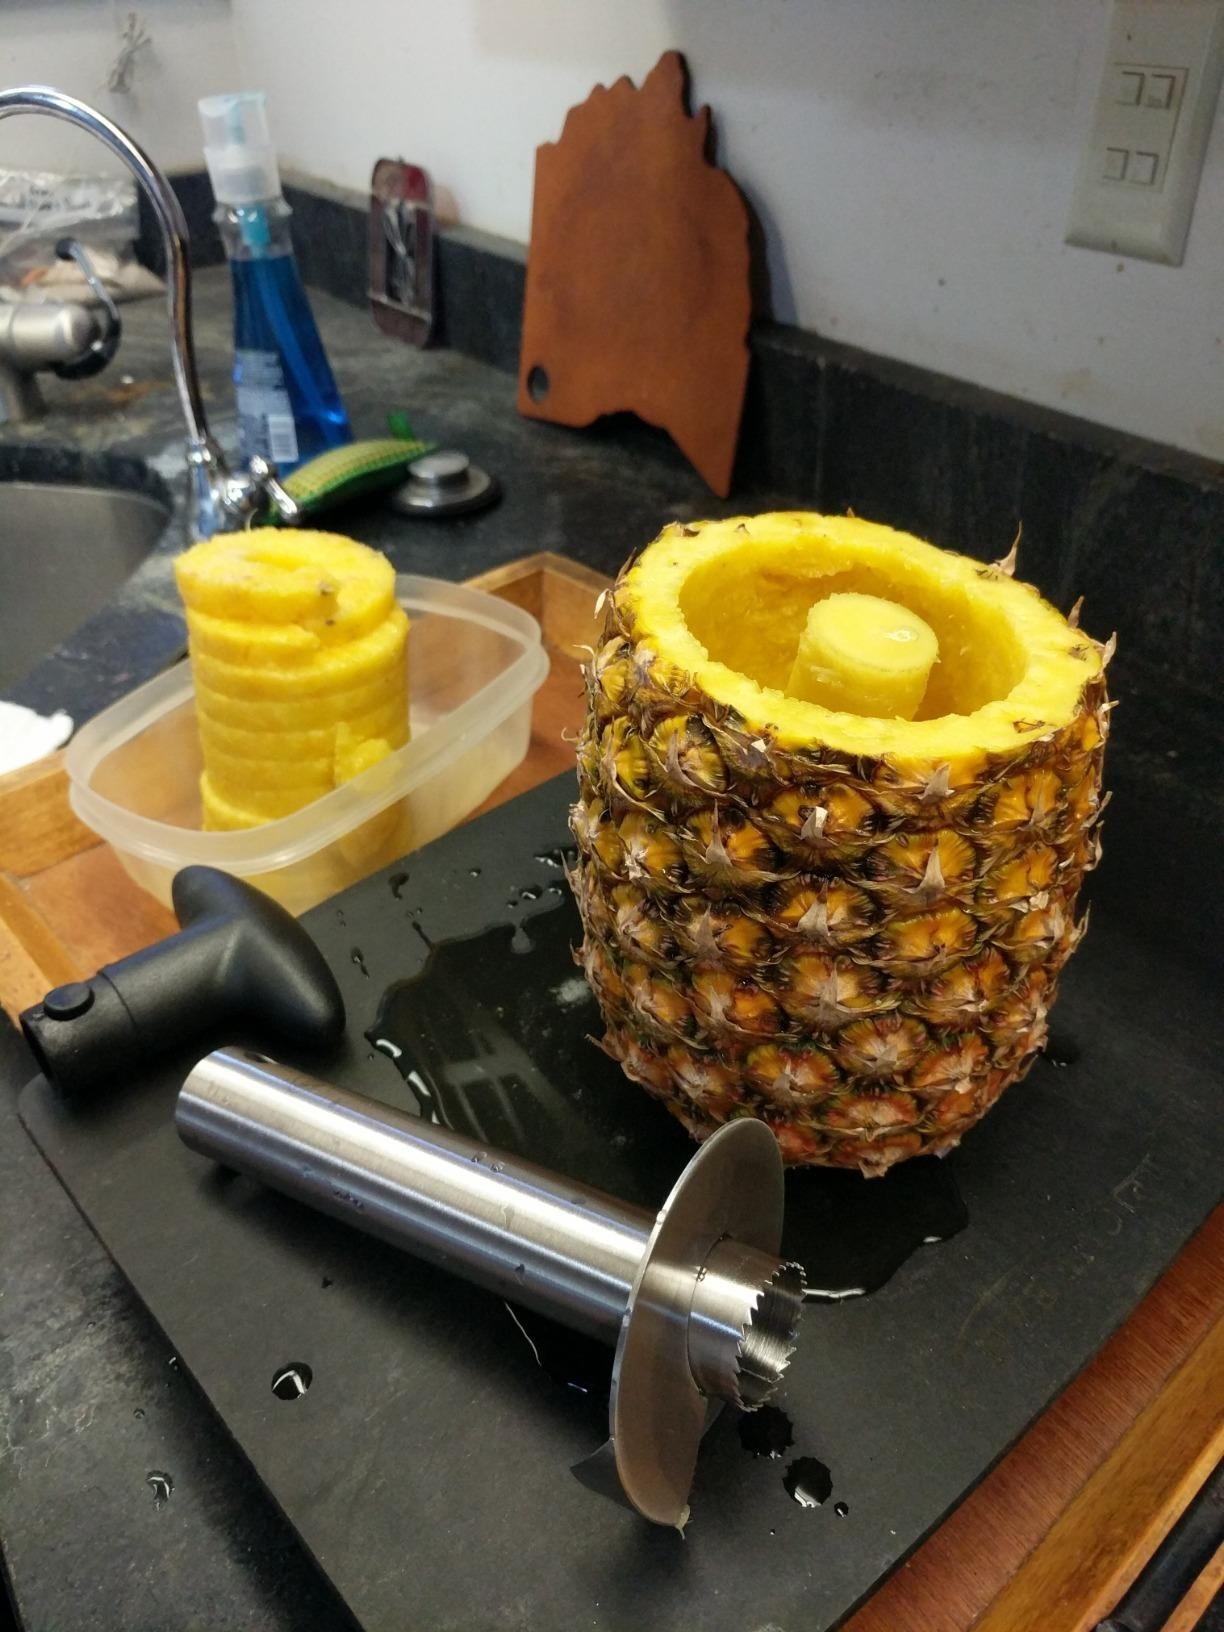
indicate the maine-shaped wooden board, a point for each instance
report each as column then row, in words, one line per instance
column 638, row 291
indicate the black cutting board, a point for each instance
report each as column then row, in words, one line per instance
column 427, row 1467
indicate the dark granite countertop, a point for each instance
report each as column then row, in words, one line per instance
column 92, row 1400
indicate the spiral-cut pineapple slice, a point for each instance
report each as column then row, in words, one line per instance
column 234, row 776
column 344, row 667
column 385, row 721
column 321, row 581
column 244, row 644
column 222, row 814
column 300, row 713
column 298, row 653
column 355, row 754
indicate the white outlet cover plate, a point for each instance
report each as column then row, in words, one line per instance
column 1139, row 174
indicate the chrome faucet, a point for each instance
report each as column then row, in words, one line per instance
column 33, row 338
column 221, row 500
column 65, row 337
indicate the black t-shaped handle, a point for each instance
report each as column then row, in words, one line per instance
column 241, row 969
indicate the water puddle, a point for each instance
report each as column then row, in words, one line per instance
column 808, row 1482
column 1060, row 1050
column 494, row 1039
column 768, row 1431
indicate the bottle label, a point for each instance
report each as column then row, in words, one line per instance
column 265, row 418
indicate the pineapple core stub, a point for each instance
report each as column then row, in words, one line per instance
column 848, row 923
column 863, row 655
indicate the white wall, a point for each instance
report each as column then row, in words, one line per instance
column 912, row 161
column 71, row 44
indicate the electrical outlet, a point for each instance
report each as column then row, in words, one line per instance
column 1139, row 175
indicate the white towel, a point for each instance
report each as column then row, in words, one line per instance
column 26, row 736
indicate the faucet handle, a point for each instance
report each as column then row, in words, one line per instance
column 224, row 500
column 263, row 472
column 104, row 345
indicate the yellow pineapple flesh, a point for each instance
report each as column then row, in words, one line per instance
column 298, row 654
column 865, row 655
column 849, row 923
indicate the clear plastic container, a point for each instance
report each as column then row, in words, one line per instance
column 475, row 663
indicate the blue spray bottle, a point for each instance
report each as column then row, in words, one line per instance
column 289, row 409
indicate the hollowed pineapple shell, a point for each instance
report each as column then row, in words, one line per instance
column 850, row 927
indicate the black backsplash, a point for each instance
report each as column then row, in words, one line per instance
column 194, row 193
column 1133, row 526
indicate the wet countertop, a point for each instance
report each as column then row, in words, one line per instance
column 595, row 496
column 95, row 1408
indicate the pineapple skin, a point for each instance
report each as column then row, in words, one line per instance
column 861, row 951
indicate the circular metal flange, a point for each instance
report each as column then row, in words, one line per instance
column 444, row 483
column 733, row 1187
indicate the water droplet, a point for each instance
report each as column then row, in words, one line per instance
column 576, row 1361
column 291, row 1382
column 473, row 872
column 808, row 1482
column 340, row 918
column 396, row 883
column 326, row 1282
column 531, row 892
column 1060, row 1051
column 840, row 1509
column 560, row 857
column 497, row 1045
column 161, row 1484
column 487, row 1049
column 556, row 889
column 852, row 1234
column 173, row 1362
column 358, row 958
column 520, row 1271
column 766, row 1432
column 138, row 1413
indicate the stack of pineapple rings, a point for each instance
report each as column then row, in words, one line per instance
column 298, row 657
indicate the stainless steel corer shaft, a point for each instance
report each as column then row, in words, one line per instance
column 694, row 1298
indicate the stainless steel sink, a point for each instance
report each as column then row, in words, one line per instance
column 64, row 551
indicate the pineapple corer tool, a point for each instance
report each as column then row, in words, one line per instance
column 699, row 1307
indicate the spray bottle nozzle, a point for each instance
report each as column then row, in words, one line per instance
column 238, row 148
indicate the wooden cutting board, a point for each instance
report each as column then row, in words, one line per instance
column 1062, row 1525
column 638, row 291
